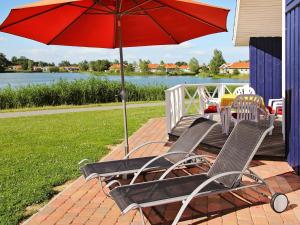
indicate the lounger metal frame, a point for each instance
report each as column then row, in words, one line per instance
column 197, row 193
column 146, row 167
column 246, row 172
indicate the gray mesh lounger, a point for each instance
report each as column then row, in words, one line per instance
column 224, row 175
column 182, row 148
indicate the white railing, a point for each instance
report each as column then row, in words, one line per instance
column 185, row 99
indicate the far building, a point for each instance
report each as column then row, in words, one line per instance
column 38, row 69
column 114, row 68
column 170, row 67
column 153, row 67
column 15, row 68
column 184, row 68
column 71, row 68
column 241, row 67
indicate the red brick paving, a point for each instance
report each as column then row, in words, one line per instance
column 84, row 203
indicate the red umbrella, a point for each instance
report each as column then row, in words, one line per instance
column 115, row 24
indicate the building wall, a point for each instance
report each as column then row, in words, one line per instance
column 293, row 83
column 241, row 71
column 265, row 66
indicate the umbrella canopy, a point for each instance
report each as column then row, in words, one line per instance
column 115, row 24
column 93, row 23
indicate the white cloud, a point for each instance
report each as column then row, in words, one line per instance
column 3, row 39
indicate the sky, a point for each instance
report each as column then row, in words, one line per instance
column 201, row 48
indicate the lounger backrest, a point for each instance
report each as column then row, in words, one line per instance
column 239, row 150
column 191, row 138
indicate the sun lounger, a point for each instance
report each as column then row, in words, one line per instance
column 225, row 175
column 182, row 148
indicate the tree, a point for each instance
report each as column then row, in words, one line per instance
column 129, row 68
column 14, row 60
column 64, row 63
column 54, row 69
column 181, row 63
column 194, row 65
column 100, row 65
column 161, row 67
column 84, row 65
column 135, row 66
column 115, row 61
column 204, row 68
column 4, row 62
column 23, row 61
column 216, row 61
column 30, row 65
column 143, row 64
column 103, row 65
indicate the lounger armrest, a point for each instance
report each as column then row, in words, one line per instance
column 203, row 158
column 84, row 162
column 143, row 145
column 153, row 160
column 186, row 202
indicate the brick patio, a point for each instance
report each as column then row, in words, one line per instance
column 84, row 203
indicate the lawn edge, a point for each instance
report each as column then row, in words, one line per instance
column 113, row 149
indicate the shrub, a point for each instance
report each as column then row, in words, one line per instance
column 78, row 92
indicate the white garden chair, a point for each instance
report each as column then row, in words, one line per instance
column 207, row 101
column 245, row 90
column 276, row 105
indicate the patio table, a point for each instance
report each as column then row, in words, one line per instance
column 225, row 111
column 227, row 99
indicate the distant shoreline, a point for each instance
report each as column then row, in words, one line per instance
column 203, row 75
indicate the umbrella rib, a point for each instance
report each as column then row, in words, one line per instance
column 157, row 23
column 134, row 7
column 97, row 13
column 105, row 6
column 69, row 25
column 193, row 17
column 32, row 16
column 148, row 9
column 84, row 7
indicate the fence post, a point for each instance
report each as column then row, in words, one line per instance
column 168, row 110
column 221, row 91
column 202, row 106
column 182, row 101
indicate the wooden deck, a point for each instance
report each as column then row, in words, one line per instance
column 273, row 147
column 84, row 203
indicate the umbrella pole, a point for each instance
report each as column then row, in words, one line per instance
column 123, row 90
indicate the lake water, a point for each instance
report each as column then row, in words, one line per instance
column 23, row 79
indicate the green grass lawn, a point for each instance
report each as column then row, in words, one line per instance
column 39, row 153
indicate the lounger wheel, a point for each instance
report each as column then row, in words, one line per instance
column 279, row 202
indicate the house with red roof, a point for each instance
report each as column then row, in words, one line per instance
column 153, row 67
column 184, row 68
column 114, row 67
column 241, row 67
